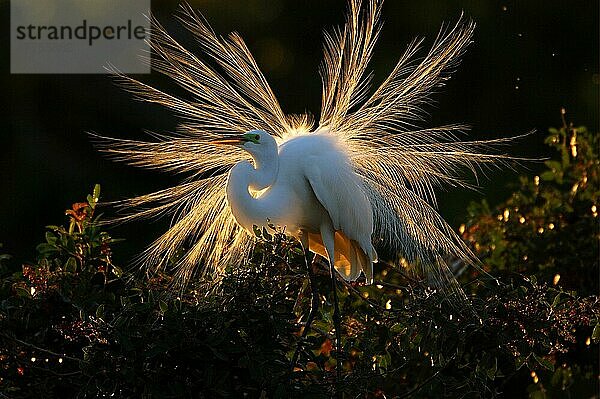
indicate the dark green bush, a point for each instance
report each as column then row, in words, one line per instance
column 74, row 324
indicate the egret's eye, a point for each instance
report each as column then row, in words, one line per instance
column 256, row 137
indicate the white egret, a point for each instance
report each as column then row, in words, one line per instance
column 308, row 186
column 364, row 174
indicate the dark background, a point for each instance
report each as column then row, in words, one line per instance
column 529, row 59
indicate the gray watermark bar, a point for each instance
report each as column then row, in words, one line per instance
column 79, row 36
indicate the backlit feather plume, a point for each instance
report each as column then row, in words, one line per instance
column 401, row 164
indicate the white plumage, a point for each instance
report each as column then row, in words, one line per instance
column 308, row 186
column 364, row 174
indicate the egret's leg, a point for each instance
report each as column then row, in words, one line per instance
column 328, row 234
column 337, row 321
column 314, row 306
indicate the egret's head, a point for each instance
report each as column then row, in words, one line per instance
column 257, row 142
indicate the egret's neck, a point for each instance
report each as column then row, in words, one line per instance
column 266, row 168
column 244, row 176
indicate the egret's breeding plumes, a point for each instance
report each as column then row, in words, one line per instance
column 364, row 176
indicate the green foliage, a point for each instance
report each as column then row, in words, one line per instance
column 549, row 226
column 45, row 306
column 73, row 324
column 548, row 229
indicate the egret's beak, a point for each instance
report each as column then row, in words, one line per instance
column 229, row 141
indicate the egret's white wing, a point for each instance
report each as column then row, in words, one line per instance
column 342, row 193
